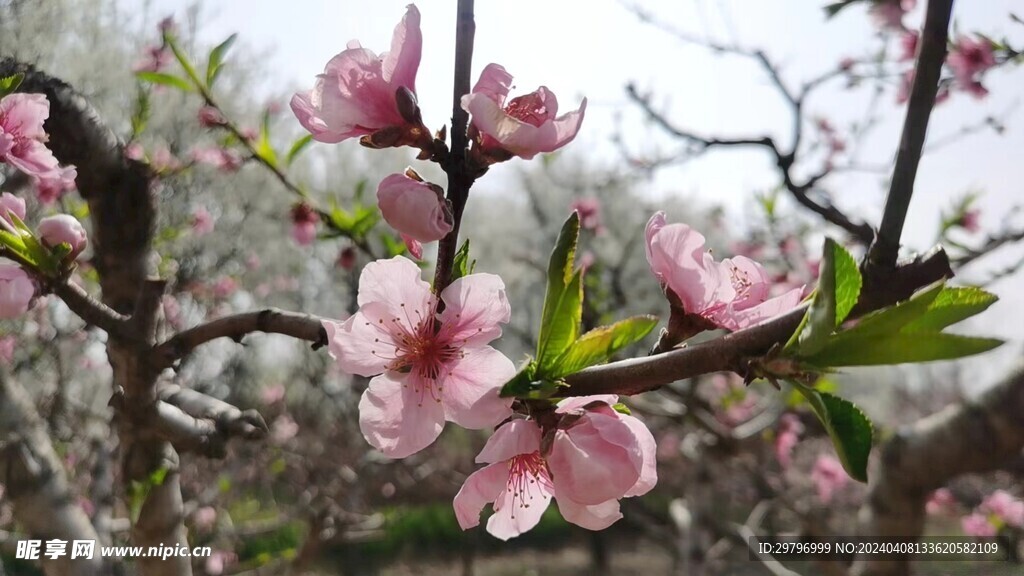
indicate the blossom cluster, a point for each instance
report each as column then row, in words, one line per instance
column 23, row 146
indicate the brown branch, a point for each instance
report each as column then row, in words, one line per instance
column 928, row 72
column 195, row 422
column 732, row 351
column 460, row 180
column 976, row 436
column 93, row 311
column 270, row 320
column 991, row 244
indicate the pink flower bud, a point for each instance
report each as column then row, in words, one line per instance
column 11, row 204
column 416, row 209
column 347, row 259
column 210, row 117
column 62, row 228
column 304, row 220
column 16, row 290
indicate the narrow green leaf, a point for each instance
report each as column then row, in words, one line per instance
column 298, row 146
column 847, row 426
column 560, row 274
column 462, row 266
column 899, row 348
column 562, row 327
column 622, row 409
column 216, row 59
column 182, row 59
column 8, row 84
column 839, row 284
column 832, row 9
column 520, row 383
column 951, row 306
column 264, row 149
column 165, row 80
column 598, row 345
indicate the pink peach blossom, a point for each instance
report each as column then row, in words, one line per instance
column 11, row 204
column 524, row 126
column 210, row 117
column 414, row 208
column 154, row 59
column 224, row 159
column 971, row 221
column 600, row 457
column 53, row 187
column 908, row 45
column 733, row 294
column 940, row 502
column 7, row 344
column 202, row 221
column 225, row 287
column 304, row 220
column 22, row 138
column 204, row 518
column 787, row 437
column 134, row 151
column 347, row 259
column 355, row 95
column 1002, row 504
column 828, row 477
column 16, row 290
column 429, row 367
column 888, row 14
column 589, row 210
column 163, row 161
column 272, row 394
column 970, row 58
column 62, row 228
column 977, row 525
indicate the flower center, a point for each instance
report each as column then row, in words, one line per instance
column 422, row 351
column 528, row 476
column 529, row 108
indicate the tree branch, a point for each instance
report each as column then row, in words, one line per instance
column 271, row 320
column 928, row 71
column 93, row 311
column 977, row 436
column 732, row 351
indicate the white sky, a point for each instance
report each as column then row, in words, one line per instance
column 594, row 47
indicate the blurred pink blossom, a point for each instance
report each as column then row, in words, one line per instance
column 283, row 429
column 52, row 188
column 888, row 14
column 828, row 477
column 223, row 159
column 7, row 344
column 218, row 561
column 204, row 518
column 589, row 210
column 977, row 525
column 225, row 287
column 16, row 290
column 787, row 437
column 524, row 126
column 355, row 95
column 202, row 221
column 908, row 45
column 941, row 501
column 304, row 220
column 346, row 258
column 272, row 394
column 154, row 59
column 428, row 367
column 971, row 221
column 1002, row 504
column 413, row 246
column 210, row 117
column 969, row 58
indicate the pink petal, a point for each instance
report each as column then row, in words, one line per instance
column 396, row 419
column 61, row 228
column 359, row 342
column 648, row 450
column 470, row 392
column 307, row 114
column 395, row 281
column 592, row 517
column 413, row 246
column 679, row 260
column 401, row 63
column 13, row 204
column 413, row 208
column 495, row 83
column 596, row 460
column 24, row 114
column 518, row 137
column 509, row 440
column 480, row 488
column 731, row 319
column 749, row 279
column 16, row 291
column 579, row 402
column 475, row 306
column 35, row 159
column 511, row 517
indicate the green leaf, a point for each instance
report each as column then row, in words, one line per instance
column 563, row 327
column 598, row 345
column 839, row 284
column 520, row 383
column 393, row 245
column 263, row 148
column 560, row 317
column 951, row 306
column 832, row 9
column 182, row 59
column 142, row 112
column 622, row 409
column 165, row 80
column 8, row 84
column 298, row 146
column 847, row 426
column 462, row 265
column 892, row 319
column 216, row 59
column 899, row 348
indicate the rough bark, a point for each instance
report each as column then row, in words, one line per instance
column 44, row 505
column 976, row 436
